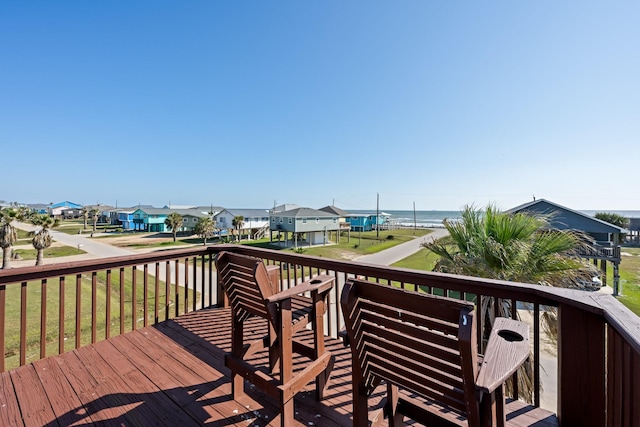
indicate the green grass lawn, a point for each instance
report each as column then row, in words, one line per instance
column 629, row 279
column 51, row 252
column 362, row 243
column 33, row 312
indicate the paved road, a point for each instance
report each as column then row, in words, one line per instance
column 398, row 252
column 94, row 247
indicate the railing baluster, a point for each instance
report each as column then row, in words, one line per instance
column 167, row 293
column 211, row 289
column 61, row 333
column 134, row 298
column 94, row 306
column 195, row 278
column 145, row 291
column 156, row 309
column 43, row 319
column 186, row 286
column 23, row 323
column 177, row 288
column 78, row 309
column 107, row 316
column 121, row 300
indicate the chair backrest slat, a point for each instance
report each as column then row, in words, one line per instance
column 238, row 274
column 411, row 340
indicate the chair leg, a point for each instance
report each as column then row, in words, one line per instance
column 237, row 349
column 360, row 406
column 237, row 386
column 395, row 417
column 322, row 380
column 317, row 322
column 287, row 413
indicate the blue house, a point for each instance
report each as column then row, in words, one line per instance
column 367, row 221
column 125, row 219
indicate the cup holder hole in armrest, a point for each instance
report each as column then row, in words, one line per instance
column 510, row 335
column 314, row 281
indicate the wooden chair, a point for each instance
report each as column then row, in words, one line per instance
column 251, row 293
column 425, row 349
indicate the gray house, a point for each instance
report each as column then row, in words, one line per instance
column 605, row 237
column 312, row 225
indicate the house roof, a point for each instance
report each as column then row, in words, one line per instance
column 247, row 213
column 285, row 207
column 165, row 211
column 66, row 204
column 305, row 212
column 566, row 218
column 335, row 210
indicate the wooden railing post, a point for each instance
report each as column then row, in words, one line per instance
column 581, row 368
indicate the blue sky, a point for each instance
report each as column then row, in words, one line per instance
column 242, row 104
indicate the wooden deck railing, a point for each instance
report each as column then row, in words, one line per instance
column 598, row 351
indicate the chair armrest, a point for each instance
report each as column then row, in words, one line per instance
column 320, row 283
column 507, row 350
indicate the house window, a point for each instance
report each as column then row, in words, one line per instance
column 273, row 219
column 290, row 221
column 334, row 220
column 304, row 220
column 317, row 220
column 185, row 219
column 281, row 220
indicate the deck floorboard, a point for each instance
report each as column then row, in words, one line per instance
column 173, row 374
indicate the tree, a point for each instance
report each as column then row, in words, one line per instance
column 42, row 237
column 515, row 247
column 174, row 223
column 613, row 218
column 86, row 210
column 8, row 233
column 95, row 216
column 205, row 228
column 237, row 223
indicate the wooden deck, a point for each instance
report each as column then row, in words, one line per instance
column 172, row 374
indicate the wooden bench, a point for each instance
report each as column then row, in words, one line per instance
column 424, row 348
column 251, row 293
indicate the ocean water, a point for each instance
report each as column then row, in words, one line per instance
column 419, row 218
column 433, row 219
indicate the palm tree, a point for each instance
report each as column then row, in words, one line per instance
column 95, row 216
column 8, row 233
column 237, row 223
column 86, row 210
column 42, row 238
column 174, row 223
column 516, row 247
column 205, row 228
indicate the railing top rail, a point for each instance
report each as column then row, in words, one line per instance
column 22, row 274
column 618, row 316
